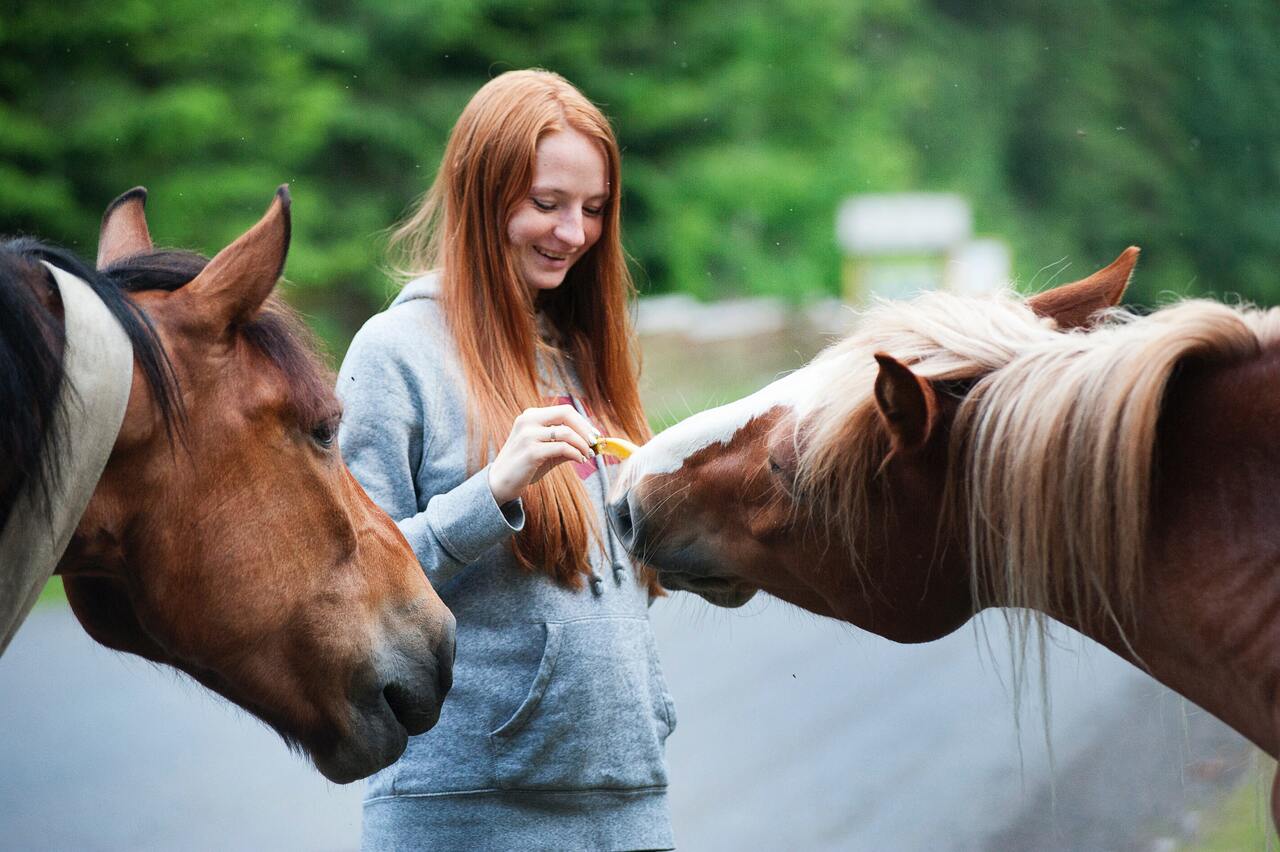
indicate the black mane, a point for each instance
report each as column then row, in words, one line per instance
column 31, row 342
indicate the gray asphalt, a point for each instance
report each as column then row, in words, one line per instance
column 794, row 733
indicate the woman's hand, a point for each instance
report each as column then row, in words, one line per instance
column 540, row 439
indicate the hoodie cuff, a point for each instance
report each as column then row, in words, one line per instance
column 468, row 520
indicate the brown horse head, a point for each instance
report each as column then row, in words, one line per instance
column 1117, row 473
column 226, row 536
column 828, row 487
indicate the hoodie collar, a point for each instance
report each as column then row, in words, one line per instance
column 423, row 287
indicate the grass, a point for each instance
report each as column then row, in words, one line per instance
column 52, row 594
column 1243, row 821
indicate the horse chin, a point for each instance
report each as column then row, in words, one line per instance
column 394, row 700
column 377, row 740
column 718, row 591
column 351, row 760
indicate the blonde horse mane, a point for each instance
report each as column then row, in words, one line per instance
column 1051, row 449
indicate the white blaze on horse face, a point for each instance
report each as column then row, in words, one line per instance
column 667, row 451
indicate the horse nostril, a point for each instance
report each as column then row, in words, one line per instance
column 406, row 706
column 620, row 520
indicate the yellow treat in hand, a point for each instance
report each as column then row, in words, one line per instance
column 619, row 447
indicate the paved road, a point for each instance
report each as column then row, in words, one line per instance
column 794, row 733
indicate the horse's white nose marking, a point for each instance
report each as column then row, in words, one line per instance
column 668, row 450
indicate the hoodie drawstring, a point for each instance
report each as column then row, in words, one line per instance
column 601, row 467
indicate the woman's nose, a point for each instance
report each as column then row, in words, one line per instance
column 569, row 230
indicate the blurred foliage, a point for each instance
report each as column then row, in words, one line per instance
column 1242, row 821
column 1075, row 128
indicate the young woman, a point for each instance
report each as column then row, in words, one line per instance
column 471, row 405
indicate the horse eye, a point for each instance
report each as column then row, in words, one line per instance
column 325, row 433
column 774, row 467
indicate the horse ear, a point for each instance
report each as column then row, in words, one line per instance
column 241, row 276
column 906, row 402
column 124, row 228
column 1074, row 305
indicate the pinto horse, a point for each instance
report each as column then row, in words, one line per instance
column 1118, row 473
column 224, row 536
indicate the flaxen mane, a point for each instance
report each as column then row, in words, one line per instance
column 1052, row 444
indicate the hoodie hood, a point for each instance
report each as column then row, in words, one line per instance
column 423, row 287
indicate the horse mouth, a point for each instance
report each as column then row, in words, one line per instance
column 379, row 737
column 403, row 701
column 719, row 591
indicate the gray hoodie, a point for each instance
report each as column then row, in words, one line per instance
column 552, row 736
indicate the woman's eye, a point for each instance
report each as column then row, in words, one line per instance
column 593, row 211
column 543, row 205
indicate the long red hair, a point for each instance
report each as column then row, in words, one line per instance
column 460, row 229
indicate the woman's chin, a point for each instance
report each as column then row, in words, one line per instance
column 544, row 281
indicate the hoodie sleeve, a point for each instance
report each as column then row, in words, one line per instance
column 386, row 429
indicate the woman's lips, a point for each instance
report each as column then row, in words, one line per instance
column 554, row 257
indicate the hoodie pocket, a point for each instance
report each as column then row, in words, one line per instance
column 596, row 713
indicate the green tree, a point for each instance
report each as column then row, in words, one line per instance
column 1076, row 128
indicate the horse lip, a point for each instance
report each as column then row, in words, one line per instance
column 721, row 591
column 355, row 757
column 379, row 736
column 390, row 708
column 623, row 521
column 410, row 711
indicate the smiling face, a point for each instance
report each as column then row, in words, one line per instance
column 560, row 218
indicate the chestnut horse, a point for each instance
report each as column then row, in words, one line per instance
column 1118, row 473
column 224, row 537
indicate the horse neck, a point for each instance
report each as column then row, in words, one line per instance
column 1206, row 622
column 1200, row 653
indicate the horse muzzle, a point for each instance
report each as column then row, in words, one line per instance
column 624, row 519
column 400, row 695
column 682, row 566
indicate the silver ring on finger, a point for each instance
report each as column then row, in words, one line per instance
column 554, row 434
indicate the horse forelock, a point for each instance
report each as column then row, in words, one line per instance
column 278, row 332
column 31, row 326
column 1051, row 450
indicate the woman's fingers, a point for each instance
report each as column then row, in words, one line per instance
column 562, row 423
column 558, row 434
column 562, row 415
column 540, row 439
column 551, row 453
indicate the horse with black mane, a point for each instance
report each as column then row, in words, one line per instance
column 1056, row 455
column 167, row 447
